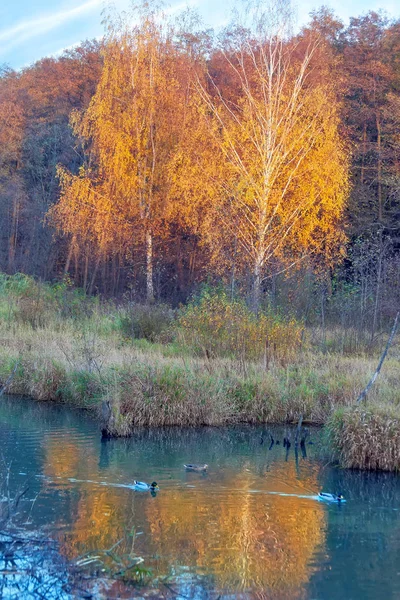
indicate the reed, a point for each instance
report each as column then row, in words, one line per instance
column 366, row 437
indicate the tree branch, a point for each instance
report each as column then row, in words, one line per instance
column 375, row 375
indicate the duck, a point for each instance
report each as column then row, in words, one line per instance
column 197, row 468
column 141, row 486
column 338, row 498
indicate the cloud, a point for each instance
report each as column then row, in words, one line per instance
column 25, row 30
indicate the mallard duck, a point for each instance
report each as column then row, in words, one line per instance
column 331, row 497
column 141, row 486
column 197, row 468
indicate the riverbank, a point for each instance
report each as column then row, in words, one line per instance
column 153, row 387
column 87, row 360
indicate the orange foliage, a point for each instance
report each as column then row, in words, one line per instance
column 249, row 159
column 285, row 178
column 130, row 132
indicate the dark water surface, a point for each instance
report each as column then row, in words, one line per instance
column 231, row 533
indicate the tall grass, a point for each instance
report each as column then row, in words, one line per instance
column 366, row 437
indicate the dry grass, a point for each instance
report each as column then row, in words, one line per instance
column 367, row 437
column 60, row 346
column 152, row 387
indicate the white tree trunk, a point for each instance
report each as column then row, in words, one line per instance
column 257, row 285
column 149, row 268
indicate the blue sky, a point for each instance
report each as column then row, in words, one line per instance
column 31, row 29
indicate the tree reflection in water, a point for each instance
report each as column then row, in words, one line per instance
column 225, row 528
column 220, row 533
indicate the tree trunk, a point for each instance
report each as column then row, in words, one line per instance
column 69, row 255
column 364, row 153
column 323, row 323
column 86, row 270
column 96, row 268
column 149, row 268
column 379, row 168
column 12, row 244
column 257, row 286
column 233, row 271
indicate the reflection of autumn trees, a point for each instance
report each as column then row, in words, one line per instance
column 62, row 457
column 227, row 526
column 98, row 517
column 248, row 540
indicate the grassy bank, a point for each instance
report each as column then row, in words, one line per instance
column 209, row 365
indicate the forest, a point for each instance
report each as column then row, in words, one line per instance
column 167, row 155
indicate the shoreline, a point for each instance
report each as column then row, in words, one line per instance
column 152, row 388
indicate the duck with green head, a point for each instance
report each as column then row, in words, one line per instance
column 141, row 486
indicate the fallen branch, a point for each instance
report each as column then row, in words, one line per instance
column 375, row 375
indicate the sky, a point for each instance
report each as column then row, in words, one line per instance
column 32, row 29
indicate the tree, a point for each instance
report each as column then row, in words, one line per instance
column 369, row 49
column 12, row 124
column 129, row 133
column 35, row 105
column 285, row 177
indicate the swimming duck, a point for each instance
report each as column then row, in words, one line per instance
column 141, row 486
column 338, row 498
column 197, row 468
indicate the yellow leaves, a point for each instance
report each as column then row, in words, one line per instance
column 254, row 168
column 286, row 176
column 129, row 134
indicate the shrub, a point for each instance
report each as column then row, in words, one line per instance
column 142, row 321
column 217, row 326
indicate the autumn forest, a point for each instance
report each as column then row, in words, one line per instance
column 166, row 156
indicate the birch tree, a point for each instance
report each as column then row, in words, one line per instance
column 286, row 179
column 129, row 134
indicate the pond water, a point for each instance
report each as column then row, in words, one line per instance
column 248, row 528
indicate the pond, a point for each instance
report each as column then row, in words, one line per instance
column 250, row 527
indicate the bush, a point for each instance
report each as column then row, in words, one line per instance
column 217, row 326
column 142, row 321
column 29, row 302
column 34, row 303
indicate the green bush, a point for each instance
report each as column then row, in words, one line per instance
column 142, row 321
column 30, row 302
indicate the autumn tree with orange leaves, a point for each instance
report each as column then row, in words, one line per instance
column 251, row 164
column 120, row 197
column 285, row 177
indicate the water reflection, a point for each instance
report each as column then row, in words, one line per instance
column 224, row 526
